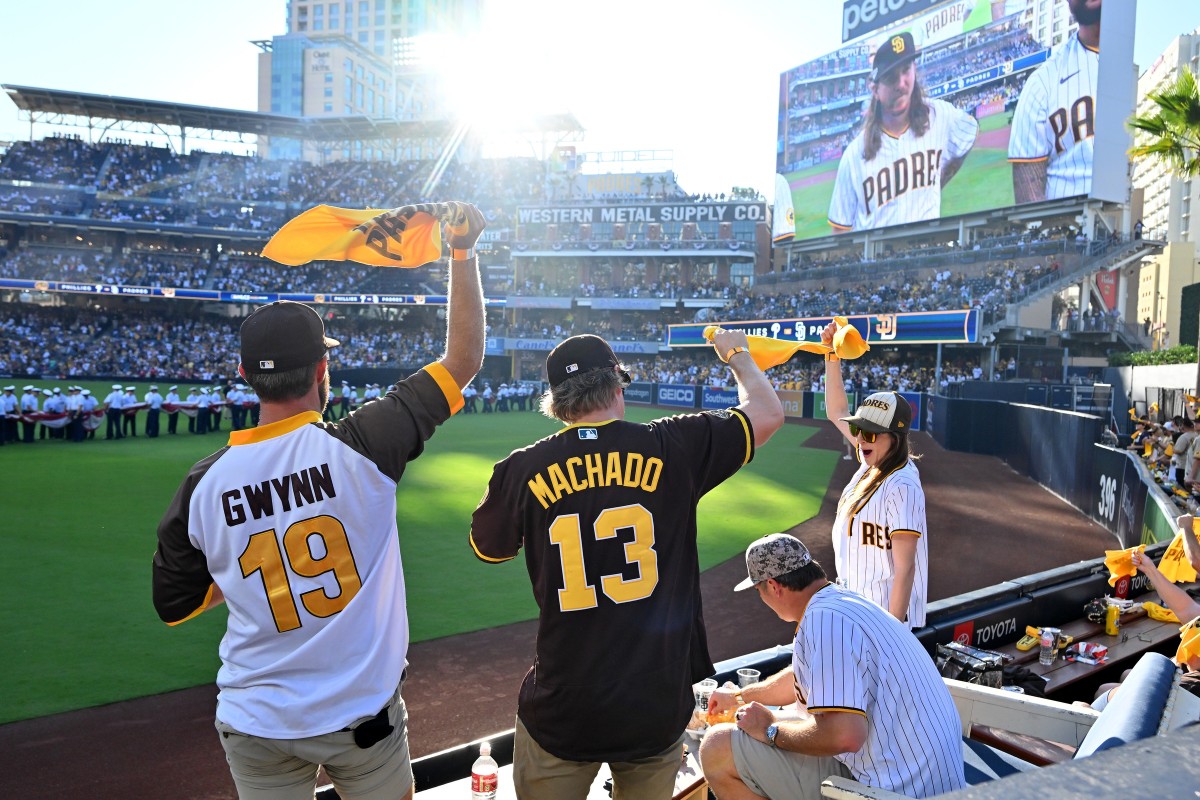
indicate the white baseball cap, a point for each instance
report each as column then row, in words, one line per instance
column 882, row 412
column 172, row 388
column 117, row 386
column 87, row 391
column 28, row 388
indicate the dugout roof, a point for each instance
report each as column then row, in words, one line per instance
column 44, row 104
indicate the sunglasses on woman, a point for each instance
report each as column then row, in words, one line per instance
column 867, row 436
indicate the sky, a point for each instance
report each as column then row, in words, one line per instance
column 697, row 79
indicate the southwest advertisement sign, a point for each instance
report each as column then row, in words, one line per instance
column 919, row 327
column 713, row 397
column 939, row 109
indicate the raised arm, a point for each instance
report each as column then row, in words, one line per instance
column 756, row 396
column 464, row 311
column 1173, row 597
column 836, row 404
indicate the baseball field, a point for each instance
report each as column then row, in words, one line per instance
column 80, row 522
column 984, row 181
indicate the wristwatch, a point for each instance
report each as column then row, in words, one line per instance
column 772, row 732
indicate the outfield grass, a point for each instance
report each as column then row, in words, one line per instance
column 79, row 522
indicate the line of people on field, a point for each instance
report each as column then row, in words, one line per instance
column 75, row 414
column 517, row 396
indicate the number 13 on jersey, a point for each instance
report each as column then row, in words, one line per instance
column 566, row 532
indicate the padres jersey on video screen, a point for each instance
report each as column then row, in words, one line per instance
column 1055, row 120
column 610, row 510
column 851, row 656
column 903, row 182
column 296, row 523
column 862, row 541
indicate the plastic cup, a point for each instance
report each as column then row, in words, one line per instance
column 704, row 690
column 747, row 676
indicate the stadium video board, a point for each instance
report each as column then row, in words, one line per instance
column 959, row 108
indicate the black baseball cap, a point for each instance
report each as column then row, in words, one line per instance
column 882, row 412
column 578, row 355
column 896, row 51
column 282, row 336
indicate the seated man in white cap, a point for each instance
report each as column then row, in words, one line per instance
column 876, row 708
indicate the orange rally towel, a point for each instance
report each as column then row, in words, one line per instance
column 1120, row 563
column 848, row 344
column 1189, row 642
column 1174, row 564
column 1157, row 612
column 409, row 236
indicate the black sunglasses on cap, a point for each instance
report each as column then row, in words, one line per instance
column 867, row 436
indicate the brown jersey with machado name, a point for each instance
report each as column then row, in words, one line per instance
column 606, row 514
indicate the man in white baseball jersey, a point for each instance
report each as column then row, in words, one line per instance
column 1050, row 146
column 909, row 148
column 877, row 709
column 293, row 526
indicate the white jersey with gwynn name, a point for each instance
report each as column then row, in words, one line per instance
column 1055, row 120
column 862, row 539
column 903, row 182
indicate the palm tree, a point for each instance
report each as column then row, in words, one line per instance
column 1172, row 127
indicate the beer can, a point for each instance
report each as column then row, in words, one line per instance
column 1112, row 620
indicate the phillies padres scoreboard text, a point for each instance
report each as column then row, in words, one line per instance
column 977, row 56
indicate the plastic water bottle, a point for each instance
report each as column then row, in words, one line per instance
column 483, row 774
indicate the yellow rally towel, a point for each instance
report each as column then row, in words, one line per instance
column 409, row 236
column 1189, row 642
column 848, row 344
column 1133, row 413
column 1155, row 611
column 1174, row 564
column 1120, row 563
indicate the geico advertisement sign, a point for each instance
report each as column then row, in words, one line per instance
column 672, row 395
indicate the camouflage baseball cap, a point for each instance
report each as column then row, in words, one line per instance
column 771, row 556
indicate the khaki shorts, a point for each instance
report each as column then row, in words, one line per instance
column 776, row 773
column 538, row 775
column 286, row 769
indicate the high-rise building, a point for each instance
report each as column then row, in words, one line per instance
column 1167, row 203
column 356, row 57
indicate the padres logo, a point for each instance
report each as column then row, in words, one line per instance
column 897, row 44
